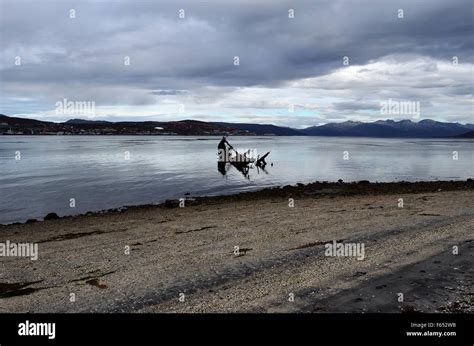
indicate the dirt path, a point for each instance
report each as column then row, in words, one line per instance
column 281, row 254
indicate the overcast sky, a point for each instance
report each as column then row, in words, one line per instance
column 291, row 70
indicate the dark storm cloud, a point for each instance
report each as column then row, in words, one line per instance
column 168, row 54
column 271, row 47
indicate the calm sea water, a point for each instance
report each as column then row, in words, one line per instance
column 112, row 171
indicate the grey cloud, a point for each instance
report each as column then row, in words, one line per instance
column 85, row 55
column 354, row 105
column 168, row 92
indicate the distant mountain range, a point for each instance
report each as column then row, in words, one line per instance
column 261, row 130
column 390, row 128
column 382, row 128
column 469, row 134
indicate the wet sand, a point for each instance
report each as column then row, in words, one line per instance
column 191, row 253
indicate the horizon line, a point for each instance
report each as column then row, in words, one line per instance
column 231, row 122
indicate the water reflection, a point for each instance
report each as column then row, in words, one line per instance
column 228, row 156
column 98, row 172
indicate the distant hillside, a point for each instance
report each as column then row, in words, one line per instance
column 382, row 128
column 86, row 122
column 469, row 134
column 262, row 130
column 12, row 121
column 390, row 128
column 19, row 126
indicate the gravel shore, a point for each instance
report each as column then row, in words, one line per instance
column 255, row 252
